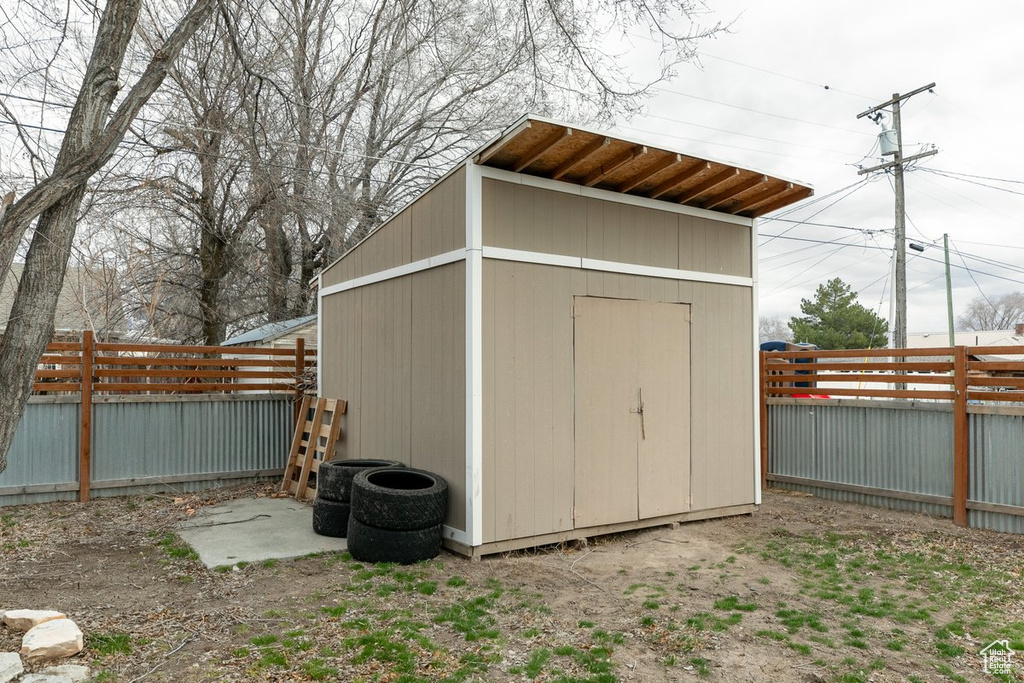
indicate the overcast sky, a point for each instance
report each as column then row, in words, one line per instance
column 777, row 58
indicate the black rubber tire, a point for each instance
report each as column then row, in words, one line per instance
column 370, row 544
column 399, row 498
column 330, row 518
column 335, row 477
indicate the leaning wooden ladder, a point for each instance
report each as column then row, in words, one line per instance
column 316, row 435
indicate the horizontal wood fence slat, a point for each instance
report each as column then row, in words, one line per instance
column 163, row 373
column 182, row 387
column 870, row 393
column 812, row 376
column 1016, row 382
column 50, row 387
column 276, row 362
column 852, row 366
column 171, row 348
column 866, row 353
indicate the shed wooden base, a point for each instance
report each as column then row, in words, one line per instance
column 475, row 553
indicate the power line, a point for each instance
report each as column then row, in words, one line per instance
column 921, row 257
column 759, row 111
column 851, row 190
column 973, row 182
column 788, row 143
column 719, row 144
column 979, row 177
column 980, row 290
column 836, row 225
column 788, row 264
column 791, row 78
column 779, row 288
column 761, row 69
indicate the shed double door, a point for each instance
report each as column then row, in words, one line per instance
column 632, row 410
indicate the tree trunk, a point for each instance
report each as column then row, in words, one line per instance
column 279, row 263
column 91, row 140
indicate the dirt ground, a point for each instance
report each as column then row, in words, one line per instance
column 804, row 590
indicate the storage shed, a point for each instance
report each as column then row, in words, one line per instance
column 564, row 327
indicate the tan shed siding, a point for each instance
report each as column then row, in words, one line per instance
column 435, row 223
column 534, row 219
column 438, row 382
column 723, row 419
column 529, row 391
column 528, row 399
column 396, row 351
column 439, row 218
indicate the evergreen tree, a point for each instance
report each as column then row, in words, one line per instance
column 834, row 320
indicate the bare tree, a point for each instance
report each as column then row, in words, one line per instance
column 773, row 328
column 299, row 125
column 999, row 312
column 93, row 132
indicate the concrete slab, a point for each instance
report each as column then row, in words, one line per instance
column 253, row 530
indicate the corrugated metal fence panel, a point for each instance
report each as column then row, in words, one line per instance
column 175, row 439
column 997, row 469
column 191, row 441
column 44, row 452
column 887, row 445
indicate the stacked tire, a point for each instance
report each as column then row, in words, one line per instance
column 396, row 515
column 332, row 504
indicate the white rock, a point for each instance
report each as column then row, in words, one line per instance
column 52, row 640
column 65, row 673
column 10, row 666
column 24, row 619
column 44, row 678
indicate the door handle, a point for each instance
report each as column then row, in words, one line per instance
column 640, row 411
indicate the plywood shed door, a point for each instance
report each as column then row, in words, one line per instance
column 632, row 410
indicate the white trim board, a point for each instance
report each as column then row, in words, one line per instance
column 562, row 261
column 609, row 196
column 319, row 334
column 454, row 534
column 755, row 370
column 397, row 271
column 474, row 355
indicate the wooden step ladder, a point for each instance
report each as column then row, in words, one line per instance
column 317, row 431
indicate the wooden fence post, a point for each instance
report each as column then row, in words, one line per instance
column 85, row 434
column 300, row 372
column 763, row 405
column 961, row 437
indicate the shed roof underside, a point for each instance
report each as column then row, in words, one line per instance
column 560, row 152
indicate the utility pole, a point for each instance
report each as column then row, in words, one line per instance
column 949, row 292
column 898, row 326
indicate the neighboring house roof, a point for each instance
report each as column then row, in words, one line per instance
column 936, row 340
column 86, row 302
column 266, row 334
column 933, row 340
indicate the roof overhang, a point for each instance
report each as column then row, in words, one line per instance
column 559, row 151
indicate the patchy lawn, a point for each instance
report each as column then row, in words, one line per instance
column 805, row 590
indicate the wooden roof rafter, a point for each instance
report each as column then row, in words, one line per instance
column 605, row 170
column 711, row 183
column 581, row 156
column 652, row 170
column 542, row 147
column 735, row 190
column 761, row 197
column 785, row 199
column 675, row 181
